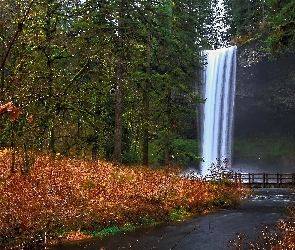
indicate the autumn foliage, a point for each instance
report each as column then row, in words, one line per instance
column 13, row 110
column 67, row 195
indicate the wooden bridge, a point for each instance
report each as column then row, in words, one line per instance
column 262, row 180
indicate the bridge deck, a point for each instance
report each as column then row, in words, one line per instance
column 256, row 180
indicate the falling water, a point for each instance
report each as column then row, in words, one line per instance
column 219, row 77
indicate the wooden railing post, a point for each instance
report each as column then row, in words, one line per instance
column 264, row 179
column 281, row 178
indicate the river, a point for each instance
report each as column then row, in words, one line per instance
column 202, row 232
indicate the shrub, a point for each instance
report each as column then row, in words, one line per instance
column 60, row 196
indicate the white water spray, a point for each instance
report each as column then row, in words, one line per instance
column 219, row 79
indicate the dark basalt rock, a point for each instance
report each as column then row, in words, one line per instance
column 265, row 93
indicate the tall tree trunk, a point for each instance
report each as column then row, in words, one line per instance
column 94, row 152
column 146, row 96
column 168, row 128
column 119, row 74
column 2, row 46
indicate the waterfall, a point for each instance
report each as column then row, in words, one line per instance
column 219, row 77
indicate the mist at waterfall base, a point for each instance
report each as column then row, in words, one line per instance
column 219, row 78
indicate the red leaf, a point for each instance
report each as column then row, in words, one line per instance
column 6, row 107
column 15, row 112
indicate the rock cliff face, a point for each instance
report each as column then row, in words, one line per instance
column 264, row 123
column 265, row 93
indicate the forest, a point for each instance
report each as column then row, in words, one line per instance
column 89, row 85
column 116, row 80
column 100, row 79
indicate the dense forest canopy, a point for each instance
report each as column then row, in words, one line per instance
column 115, row 79
column 271, row 21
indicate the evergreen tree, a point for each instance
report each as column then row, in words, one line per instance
column 103, row 79
column 281, row 25
column 271, row 21
column 248, row 17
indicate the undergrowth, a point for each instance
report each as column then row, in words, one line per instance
column 57, row 197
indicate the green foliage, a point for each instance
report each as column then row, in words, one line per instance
column 110, row 231
column 281, row 22
column 282, row 146
column 63, row 72
column 147, row 221
column 178, row 214
column 271, row 21
column 248, row 17
column 266, row 149
column 183, row 151
column 115, row 230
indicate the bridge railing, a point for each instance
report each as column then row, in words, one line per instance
column 259, row 179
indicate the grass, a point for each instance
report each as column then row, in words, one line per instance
column 61, row 198
column 110, row 231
